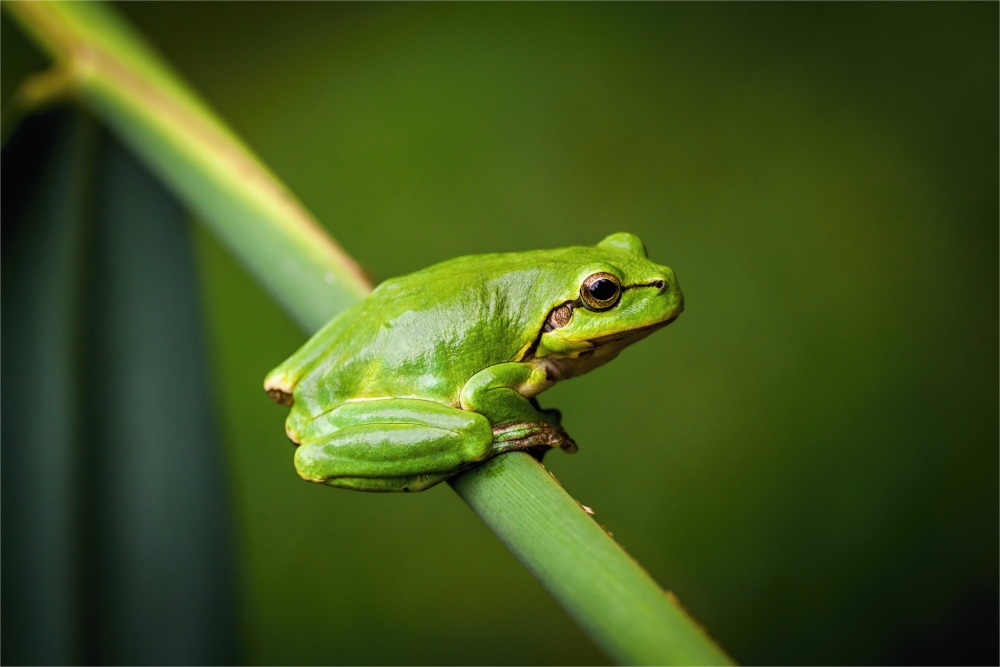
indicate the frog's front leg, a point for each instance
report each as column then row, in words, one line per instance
column 395, row 444
column 504, row 394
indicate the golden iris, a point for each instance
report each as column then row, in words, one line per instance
column 600, row 291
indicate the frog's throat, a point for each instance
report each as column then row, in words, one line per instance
column 628, row 334
column 597, row 352
column 591, row 344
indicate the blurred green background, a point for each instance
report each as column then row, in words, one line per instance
column 808, row 458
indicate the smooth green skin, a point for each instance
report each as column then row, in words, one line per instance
column 436, row 372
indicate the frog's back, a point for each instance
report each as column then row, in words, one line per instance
column 425, row 334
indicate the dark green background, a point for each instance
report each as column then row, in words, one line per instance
column 808, row 458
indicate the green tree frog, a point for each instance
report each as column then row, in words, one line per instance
column 437, row 371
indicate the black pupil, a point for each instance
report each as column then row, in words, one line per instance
column 603, row 289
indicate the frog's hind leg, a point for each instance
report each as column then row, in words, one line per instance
column 395, row 444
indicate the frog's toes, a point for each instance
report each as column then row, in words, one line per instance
column 552, row 416
column 520, row 436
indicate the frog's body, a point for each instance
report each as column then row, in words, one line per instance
column 437, row 371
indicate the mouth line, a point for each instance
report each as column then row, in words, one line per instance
column 610, row 338
column 652, row 284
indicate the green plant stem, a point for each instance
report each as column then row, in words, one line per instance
column 101, row 62
column 606, row 592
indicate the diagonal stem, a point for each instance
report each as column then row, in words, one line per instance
column 606, row 592
column 105, row 65
column 108, row 68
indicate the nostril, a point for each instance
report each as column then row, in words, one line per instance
column 659, row 284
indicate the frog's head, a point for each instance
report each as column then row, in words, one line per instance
column 614, row 297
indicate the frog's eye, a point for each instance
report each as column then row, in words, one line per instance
column 600, row 291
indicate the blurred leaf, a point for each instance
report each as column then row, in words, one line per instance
column 117, row 532
column 159, row 569
column 45, row 173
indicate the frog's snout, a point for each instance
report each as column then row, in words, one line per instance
column 678, row 304
column 667, row 287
